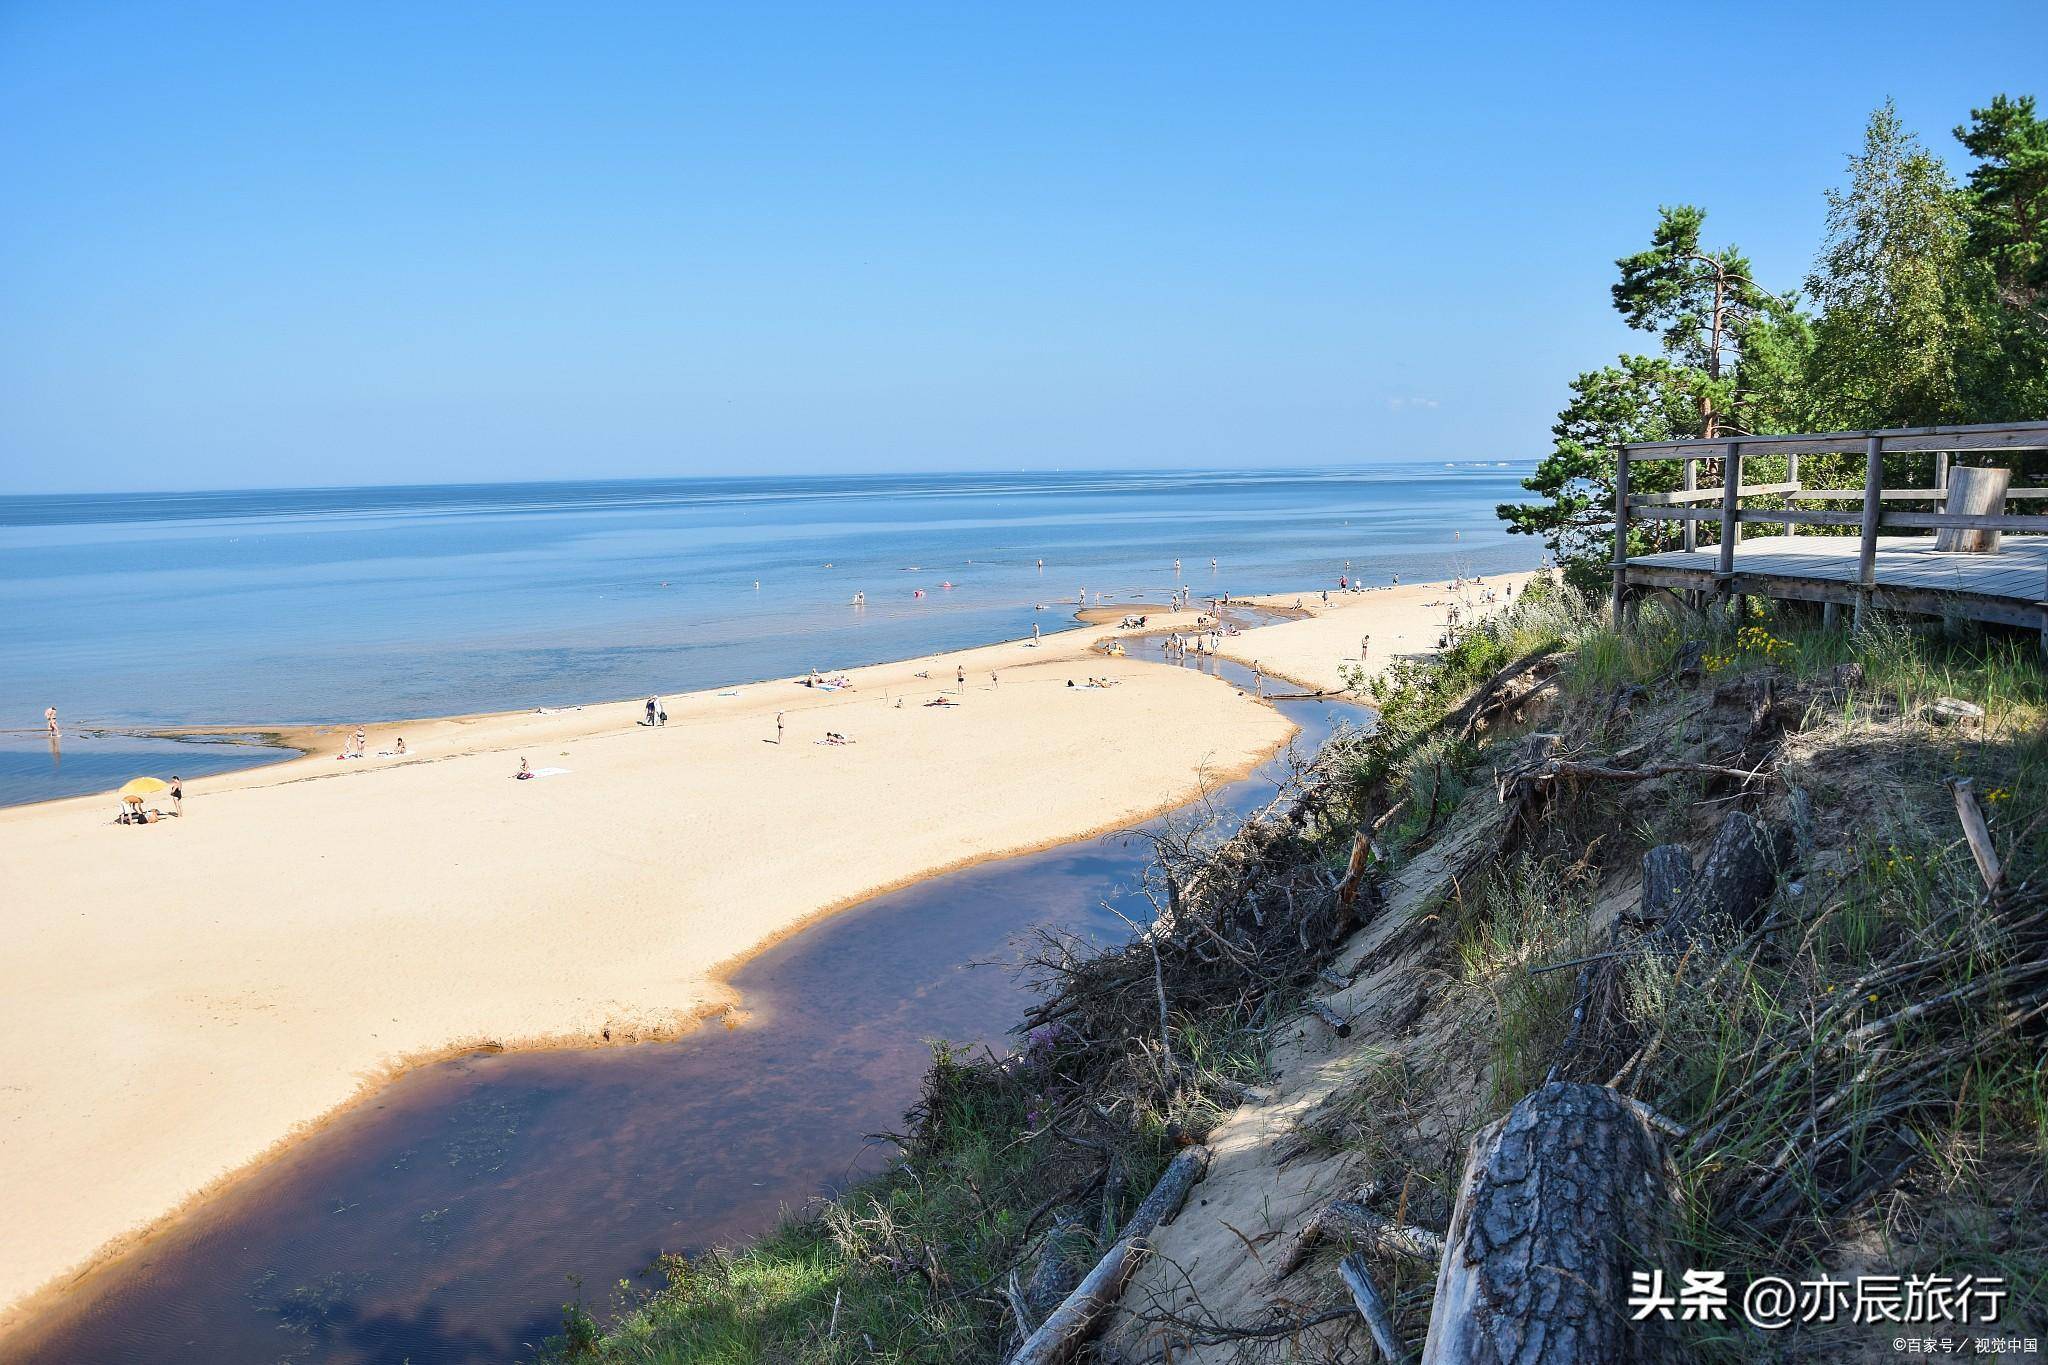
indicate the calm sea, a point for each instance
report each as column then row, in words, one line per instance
column 365, row 604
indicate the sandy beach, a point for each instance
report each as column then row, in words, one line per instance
column 1405, row 621
column 182, row 997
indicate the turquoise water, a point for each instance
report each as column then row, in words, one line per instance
column 365, row 604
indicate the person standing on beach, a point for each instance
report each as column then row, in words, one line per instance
column 650, row 713
column 50, row 718
column 362, row 741
column 960, row 679
column 177, row 796
column 1034, row 634
column 778, row 729
column 1364, row 647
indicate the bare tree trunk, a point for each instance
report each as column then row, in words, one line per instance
column 1561, row 1202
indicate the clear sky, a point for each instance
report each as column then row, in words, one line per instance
column 275, row 244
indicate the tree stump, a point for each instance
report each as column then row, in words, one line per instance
column 1667, row 872
column 1973, row 492
column 1734, row 881
column 1561, row 1202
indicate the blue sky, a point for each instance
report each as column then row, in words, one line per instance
column 263, row 244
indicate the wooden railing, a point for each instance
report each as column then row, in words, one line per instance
column 1870, row 517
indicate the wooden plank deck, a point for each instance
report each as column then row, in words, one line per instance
column 2019, row 569
column 2010, row 586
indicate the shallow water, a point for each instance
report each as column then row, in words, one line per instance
column 363, row 604
column 440, row 1224
column 101, row 760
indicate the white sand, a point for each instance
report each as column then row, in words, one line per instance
column 178, row 998
column 1404, row 622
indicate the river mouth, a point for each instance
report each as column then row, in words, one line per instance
column 444, row 1221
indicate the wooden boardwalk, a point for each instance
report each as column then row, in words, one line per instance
column 1875, row 567
column 1911, row 575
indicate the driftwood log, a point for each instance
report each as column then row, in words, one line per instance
column 1977, row 832
column 1734, row 881
column 1352, row 1220
column 1561, row 1202
column 1082, row 1311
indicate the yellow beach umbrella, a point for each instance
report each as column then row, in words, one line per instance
column 141, row 787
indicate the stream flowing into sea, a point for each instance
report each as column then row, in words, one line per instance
column 446, row 1220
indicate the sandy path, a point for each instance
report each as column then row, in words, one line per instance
column 180, row 997
column 1403, row 621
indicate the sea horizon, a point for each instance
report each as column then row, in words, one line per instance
column 364, row 605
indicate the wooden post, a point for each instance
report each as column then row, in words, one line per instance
column 1791, row 476
column 1731, row 529
column 1941, row 471
column 1873, row 508
column 1973, row 492
column 1620, row 532
column 1690, row 536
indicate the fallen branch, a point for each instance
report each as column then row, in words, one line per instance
column 1374, row 1232
column 1564, row 767
column 1339, row 1025
column 1081, row 1312
column 1976, row 832
column 1379, row 1320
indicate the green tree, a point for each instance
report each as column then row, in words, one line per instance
column 1702, row 304
column 1733, row 360
column 1639, row 398
column 2008, row 200
column 1896, row 290
column 2008, row 233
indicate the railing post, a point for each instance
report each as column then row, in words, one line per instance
column 1941, row 471
column 1731, row 529
column 1620, row 532
column 1791, row 477
column 1873, row 509
column 1690, row 536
